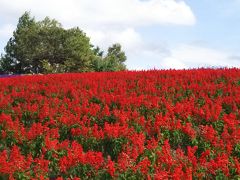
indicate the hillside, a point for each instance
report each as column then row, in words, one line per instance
column 159, row 124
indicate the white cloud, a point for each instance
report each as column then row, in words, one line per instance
column 147, row 57
column 6, row 30
column 185, row 56
column 128, row 38
column 94, row 13
column 195, row 56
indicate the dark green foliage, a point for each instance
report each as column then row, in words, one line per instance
column 113, row 61
column 46, row 47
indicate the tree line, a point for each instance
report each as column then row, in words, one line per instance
column 46, row 47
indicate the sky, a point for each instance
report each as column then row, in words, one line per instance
column 155, row 34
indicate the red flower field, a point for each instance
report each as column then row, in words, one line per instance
column 168, row 124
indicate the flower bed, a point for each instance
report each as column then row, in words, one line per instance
column 165, row 124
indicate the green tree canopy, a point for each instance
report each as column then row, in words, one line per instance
column 115, row 58
column 113, row 61
column 46, row 47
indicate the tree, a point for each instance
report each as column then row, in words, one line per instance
column 113, row 61
column 46, row 47
column 78, row 47
column 15, row 58
column 115, row 58
column 35, row 44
